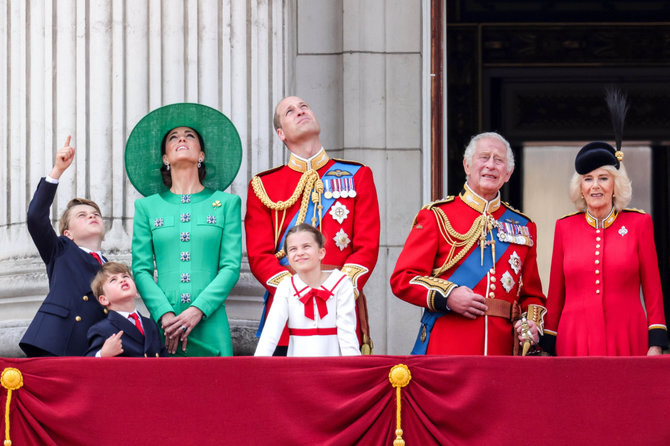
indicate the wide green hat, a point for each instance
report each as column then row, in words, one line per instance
column 223, row 148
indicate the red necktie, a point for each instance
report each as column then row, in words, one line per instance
column 134, row 317
column 96, row 257
column 321, row 296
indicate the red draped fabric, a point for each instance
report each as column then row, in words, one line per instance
column 340, row 401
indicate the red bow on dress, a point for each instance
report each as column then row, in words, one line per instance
column 321, row 296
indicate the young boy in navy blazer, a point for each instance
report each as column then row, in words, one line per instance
column 125, row 332
column 59, row 328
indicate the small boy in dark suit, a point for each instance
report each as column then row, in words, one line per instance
column 125, row 332
column 59, row 328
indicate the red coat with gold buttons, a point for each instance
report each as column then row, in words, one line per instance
column 513, row 278
column 356, row 226
column 594, row 305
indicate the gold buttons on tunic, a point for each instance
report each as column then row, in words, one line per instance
column 78, row 318
column 597, row 253
column 598, row 245
column 85, row 298
column 597, row 282
column 597, row 271
column 492, row 295
column 597, row 291
column 597, row 262
column 492, row 271
column 598, row 232
column 493, row 279
column 493, row 287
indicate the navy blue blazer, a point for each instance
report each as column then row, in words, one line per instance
column 134, row 343
column 60, row 326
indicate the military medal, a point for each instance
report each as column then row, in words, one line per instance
column 336, row 189
column 345, row 189
column 328, row 194
column 352, row 191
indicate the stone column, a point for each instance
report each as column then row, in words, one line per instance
column 93, row 69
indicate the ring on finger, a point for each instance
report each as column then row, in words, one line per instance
column 183, row 328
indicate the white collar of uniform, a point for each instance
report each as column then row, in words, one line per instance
column 315, row 162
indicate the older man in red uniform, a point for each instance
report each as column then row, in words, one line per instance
column 470, row 261
column 336, row 196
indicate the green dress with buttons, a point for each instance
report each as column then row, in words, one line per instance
column 196, row 243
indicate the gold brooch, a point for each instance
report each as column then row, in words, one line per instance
column 216, row 204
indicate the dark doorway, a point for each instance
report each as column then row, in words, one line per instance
column 536, row 71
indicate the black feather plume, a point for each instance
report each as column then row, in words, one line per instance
column 616, row 102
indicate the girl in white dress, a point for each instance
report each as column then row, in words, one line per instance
column 318, row 305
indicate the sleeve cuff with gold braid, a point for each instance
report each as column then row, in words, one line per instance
column 354, row 271
column 277, row 278
column 438, row 292
column 536, row 314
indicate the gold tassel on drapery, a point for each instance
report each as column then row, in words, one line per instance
column 399, row 377
column 11, row 379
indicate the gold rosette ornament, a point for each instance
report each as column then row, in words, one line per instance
column 399, row 376
column 11, row 379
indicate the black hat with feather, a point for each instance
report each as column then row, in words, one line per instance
column 599, row 153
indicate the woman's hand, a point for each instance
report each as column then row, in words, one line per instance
column 171, row 343
column 180, row 327
column 654, row 350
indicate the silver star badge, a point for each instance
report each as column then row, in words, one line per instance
column 507, row 281
column 339, row 212
column 623, row 231
column 515, row 262
column 341, row 239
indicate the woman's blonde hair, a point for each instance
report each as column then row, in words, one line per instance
column 623, row 190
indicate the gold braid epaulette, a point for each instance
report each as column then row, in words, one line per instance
column 310, row 186
column 509, row 206
column 456, row 239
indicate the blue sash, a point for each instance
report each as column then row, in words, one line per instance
column 469, row 274
column 326, row 203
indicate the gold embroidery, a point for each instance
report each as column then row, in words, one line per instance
column 433, row 284
column 277, row 278
column 354, row 271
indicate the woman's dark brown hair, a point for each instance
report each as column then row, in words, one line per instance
column 165, row 173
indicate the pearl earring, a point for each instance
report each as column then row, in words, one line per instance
column 199, row 164
column 167, row 166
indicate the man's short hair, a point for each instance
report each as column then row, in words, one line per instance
column 276, row 121
column 107, row 270
column 64, row 224
column 472, row 146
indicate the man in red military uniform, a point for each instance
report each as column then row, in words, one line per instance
column 470, row 261
column 338, row 197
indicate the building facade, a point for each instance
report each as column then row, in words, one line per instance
column 93, row 69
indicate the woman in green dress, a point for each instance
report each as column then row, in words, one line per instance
column 186, row 225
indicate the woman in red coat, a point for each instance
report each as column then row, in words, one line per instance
column 603, row 255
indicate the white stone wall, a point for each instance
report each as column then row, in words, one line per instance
column 92, row 69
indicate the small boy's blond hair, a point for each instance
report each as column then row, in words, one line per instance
column 64, row 224
column 107, row 270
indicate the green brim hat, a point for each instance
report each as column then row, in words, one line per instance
column 223, row 148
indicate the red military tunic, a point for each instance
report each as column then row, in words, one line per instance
column 436, row 259
column 350, row 227
column 597, row 269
